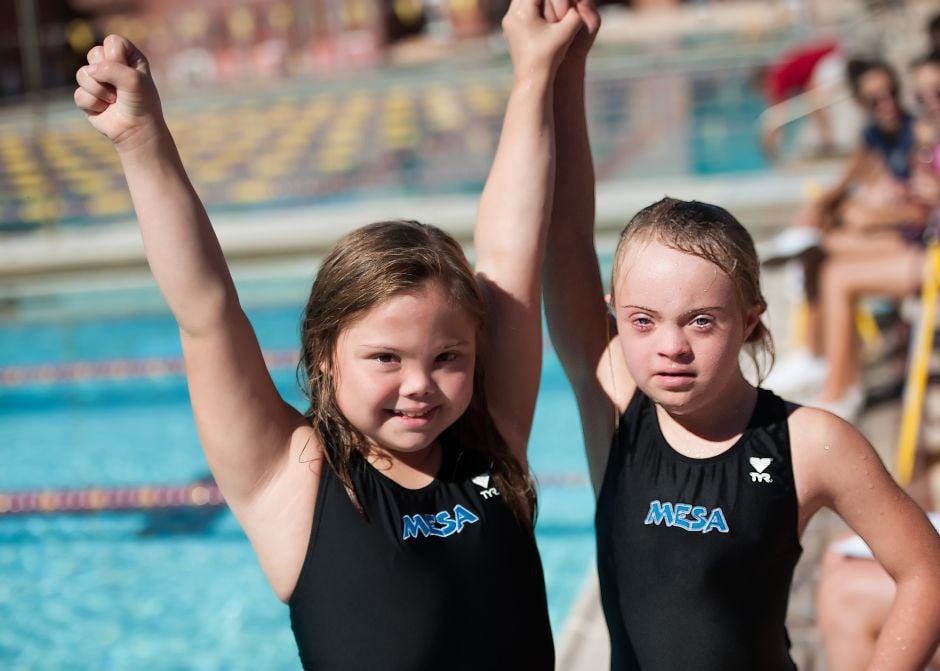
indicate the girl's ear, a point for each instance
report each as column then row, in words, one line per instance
column 752, row 319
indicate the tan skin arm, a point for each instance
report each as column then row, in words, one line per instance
column 821, row 211
column 582, row 330
column 252, row 438
column 834, row 466
column 856, row 166
column 513, row 218
column 867, row 216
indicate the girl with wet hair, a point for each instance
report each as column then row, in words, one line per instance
column 395, row 516
column 705, row 482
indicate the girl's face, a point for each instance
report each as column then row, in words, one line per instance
column 877, row 95
column 926, row 82
column 404, row 370
column 680, row 325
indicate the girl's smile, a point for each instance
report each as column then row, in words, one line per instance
column 417, row 418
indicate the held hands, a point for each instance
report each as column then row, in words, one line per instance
column 537, row 45
column 554, row 10
column 117, row 94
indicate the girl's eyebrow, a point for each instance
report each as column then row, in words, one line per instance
column 454, row 343
column 388, row 348
column 685, row 315
column 641, row 308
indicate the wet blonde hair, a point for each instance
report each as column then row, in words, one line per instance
column 714, row 234
column 365, row 268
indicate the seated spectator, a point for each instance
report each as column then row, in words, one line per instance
column 925, row 77
column 933, row 32
column 896, row 270
column 867, row 214
column 853, row 599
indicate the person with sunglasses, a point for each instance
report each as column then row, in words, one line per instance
column 897, row 270
column 869, row 212
column 855, row 592
column 925, row 77
column 876, row 173
column 933, row 32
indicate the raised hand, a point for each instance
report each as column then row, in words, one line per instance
column 536, row 44
column 117, row 93
column 592, row 23
column 553, row 10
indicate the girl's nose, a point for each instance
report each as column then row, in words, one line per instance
column 674, row 345
column 417, row 382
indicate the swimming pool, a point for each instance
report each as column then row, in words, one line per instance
column 176, row 589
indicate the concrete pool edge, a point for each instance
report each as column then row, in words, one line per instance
column 583, row 642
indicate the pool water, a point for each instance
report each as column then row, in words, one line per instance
column 182, row 589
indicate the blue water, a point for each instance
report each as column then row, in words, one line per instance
column 722, row 125
column 179, row 590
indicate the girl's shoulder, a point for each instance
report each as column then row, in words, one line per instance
column 811, row 427
column 825, row 451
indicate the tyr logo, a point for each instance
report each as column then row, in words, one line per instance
column 483, row 482
column 760, row 464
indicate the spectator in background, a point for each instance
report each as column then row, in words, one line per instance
column 897, row 267
column 854, row 600
column 855, row 593
column 868, row 213
column 925, row 77
column 933, row 32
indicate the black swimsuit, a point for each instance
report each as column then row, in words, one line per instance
column 696, row 556
column 440, row 578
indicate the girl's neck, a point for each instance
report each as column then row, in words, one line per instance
column 714, row 427
column 412, row 470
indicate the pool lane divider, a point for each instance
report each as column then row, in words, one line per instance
column 117, row 369
column 133, row 499
column 98, row 499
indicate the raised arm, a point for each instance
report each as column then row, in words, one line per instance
column 845, row 473
column 513, row 219
column 581, row 329
column 246, row 430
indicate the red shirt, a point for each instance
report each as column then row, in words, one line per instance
column 793, row 70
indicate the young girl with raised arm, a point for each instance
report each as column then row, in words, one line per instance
column 705, row 482
column 395, row 515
